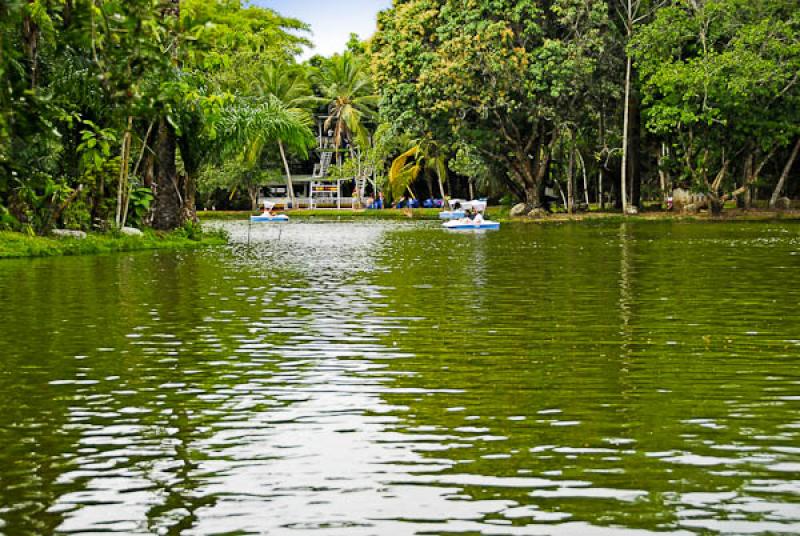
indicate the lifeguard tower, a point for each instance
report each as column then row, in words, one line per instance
column 319, row 190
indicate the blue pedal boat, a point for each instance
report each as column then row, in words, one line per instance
column 267, row 219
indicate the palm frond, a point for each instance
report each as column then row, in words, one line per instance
column 402, row 173
column 248, row 125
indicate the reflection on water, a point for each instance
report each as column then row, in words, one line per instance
column 370, row 378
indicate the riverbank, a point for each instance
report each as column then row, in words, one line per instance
column 332, row 214
column 16, row 245
column 729, row 215
column 502, row 214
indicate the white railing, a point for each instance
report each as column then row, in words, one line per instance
column 281, row 203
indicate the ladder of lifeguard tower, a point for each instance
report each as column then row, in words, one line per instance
column 321, row 169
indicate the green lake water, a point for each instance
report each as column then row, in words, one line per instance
column 395, row 378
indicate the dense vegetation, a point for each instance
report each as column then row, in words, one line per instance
column 110, row 111
column 639, row 94
column 118, row 112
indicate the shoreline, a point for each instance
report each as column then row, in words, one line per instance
column 501, row 214
column 14, row 245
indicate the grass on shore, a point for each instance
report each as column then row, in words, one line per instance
column 22, row 245
column 728, row 215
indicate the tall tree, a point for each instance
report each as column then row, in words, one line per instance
column 288, row 84
column 498, row 76
column 168, row 209
column 346, row 89
column 248, row 127
column 720, row 82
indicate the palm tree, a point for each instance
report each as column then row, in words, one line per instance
column 346, row 88
column 249, row 125
column 424, row 155
column 289, row 85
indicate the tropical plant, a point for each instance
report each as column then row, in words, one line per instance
column 288, row 84
column 346, row 89
column 250, row 124
column 499, row 76
column 720, row 83
column 424, row 156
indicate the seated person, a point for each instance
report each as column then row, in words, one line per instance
column 428, row 203
column 478, row 219
column 413, row 203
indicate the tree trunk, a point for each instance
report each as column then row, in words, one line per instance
column 663, row 175
column 600, row 201
column 31, row 33
column 786, row 170
column 616, row 187
column 747, row 198
column 124, row 169
column 189, row 198
column 167, row 209
column 252, row 192
column 600, row 163
column 289, row 185
column 585, row 178
column 571, row 175
column 634, row 146
column 625, row 134
column 752, row 172
column 747, row 173
column 715, row 204
column 66, row 13
column 534, row 195
column 533, row 176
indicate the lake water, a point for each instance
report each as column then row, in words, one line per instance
column 394, row 378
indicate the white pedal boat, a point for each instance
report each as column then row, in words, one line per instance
column 459, row 207
column 461, row 225
column 265, row 218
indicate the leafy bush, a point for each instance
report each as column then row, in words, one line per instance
column 141, row 200
column 7, row 221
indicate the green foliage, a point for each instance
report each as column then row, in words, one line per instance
column 7, row 221
column 425, row 156
column 249, row 125
column 346, row 89
column 82, row 78
column 499, row 94
column 95, row 147
column 141, row 200
column 229, row 40
column 720, row 79
column 22, row 245
column 498, row 76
